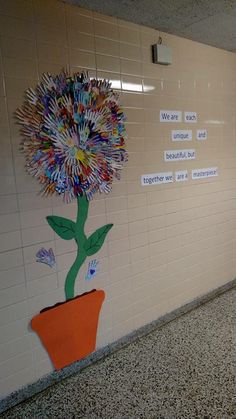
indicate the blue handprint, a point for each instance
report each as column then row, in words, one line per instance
column 46, row 256
column 92, row 270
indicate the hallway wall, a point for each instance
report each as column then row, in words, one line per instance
column 170, row 242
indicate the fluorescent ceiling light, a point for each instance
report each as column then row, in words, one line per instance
column 132, row 87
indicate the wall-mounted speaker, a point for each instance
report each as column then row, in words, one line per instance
column 161, row 54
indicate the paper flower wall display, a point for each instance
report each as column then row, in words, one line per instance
column 74, row 144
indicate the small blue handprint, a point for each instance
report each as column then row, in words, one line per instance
column 46, row 256
column 92, row 270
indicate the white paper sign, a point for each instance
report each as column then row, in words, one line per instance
column 190, row 117
column 170, row 116
column 175, row 155
column 201, row 134
column 156, row 178
column 204, row 173
column 181, row 135
column 181, row 176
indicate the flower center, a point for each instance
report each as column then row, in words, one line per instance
column 80, row 156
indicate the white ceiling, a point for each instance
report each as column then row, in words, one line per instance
column 211, row 22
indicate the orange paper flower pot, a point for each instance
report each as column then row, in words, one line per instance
column 68, row 331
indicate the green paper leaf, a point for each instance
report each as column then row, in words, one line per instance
column 94, row 243
column 62, row 226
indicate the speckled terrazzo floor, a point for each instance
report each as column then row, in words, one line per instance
column 186, row 369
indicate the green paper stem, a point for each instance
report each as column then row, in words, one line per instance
column 80, row 239
column 72, row 274
column 69, row 230
column 83, row 205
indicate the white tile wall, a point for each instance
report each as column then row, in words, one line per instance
column 9, row 222
column 33, row 235
column 12, row 295
column 13, row 330
column 14, row 348
column 11, row 259
column 169, row 243
column 11, row 277
column 12, row 313
column 15, row 381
